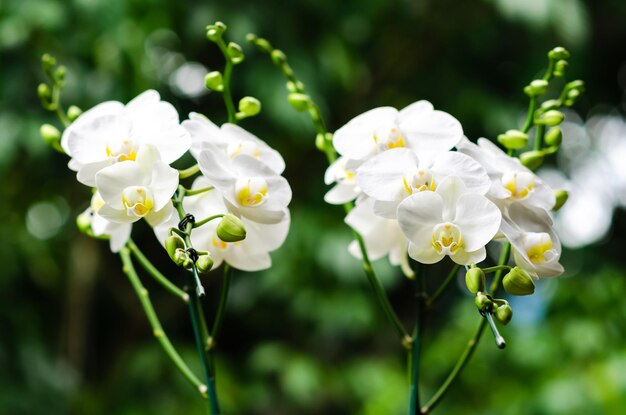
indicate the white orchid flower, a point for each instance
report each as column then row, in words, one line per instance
column 536, row 247
column 132, row 190
column 346, row 189
column 449, row 221
column 396, row 174
column 382, row 237
column 250, row 188
column 118, row 233
column 511, row 182
column 250, row 254
column 112, row 132
column 230, row 139
column 418, row 127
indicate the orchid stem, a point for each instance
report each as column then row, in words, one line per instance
column 451, row 275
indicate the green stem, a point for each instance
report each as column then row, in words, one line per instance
column 153, row 319
column 414, row 357
column 228, row 71
column 188, row 172
column 219, row 316
column 532, row 106
column 154, row 272
column 496, row 268
column 208, row 219
column 331, row 156
column 472, row 343
column 193, row 192
column 541, row 129
column 451, row 275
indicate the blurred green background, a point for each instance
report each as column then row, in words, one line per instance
column 307, row 336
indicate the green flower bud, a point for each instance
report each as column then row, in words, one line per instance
column 504, row 313
column 532, row 159
column 573, row 94
column 550, row 104
column 558, row 53
column 181, row 258
column 235, row 53
column 172, row 244
column 475, row 280
column 300, row 102
column 215, row 31
column 260, row 43
column 73, row 112
column 59, row 74
column 551, row 118
column 518, row 282
column 278, row 57
column 561, row 197
column 43, row 91
column 513, row 140
column 231, row 229
column 83, row 223
column 48, row 61
column 214, row 81
column 320, row 142
column 483, row 302
column 50, row 134
column 536, row 88
column 204, row 263
column 249, row 106
column 560, row 67
column 554, row 137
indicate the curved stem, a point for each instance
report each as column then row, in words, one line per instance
column 472, row 343
column 496, row 268
column 415, row 354
column 444, row 285
column 193, row 192
column 228, row 71
column 532, row 106
column 188, row 172
column 155, row 273
column 219, row 315
column 153, row 319
column 208, row 219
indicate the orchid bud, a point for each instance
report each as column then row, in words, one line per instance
column 299, row 101
column 475, row 280
column 43, row 91
column 532, row 159
column 48, row 61
column 73, row 112
column 235, row 53
column 59, row 74
column 249, row 106
column 560, row 67
column 83, row 223
column 50, row 134
column 577, row 84
column 215, row 31
column 260, row 42
column 504, row 313
column 320, row 142
column 551, row 118
column 559, row 53
column 483, row 302
column 231, row 229
column 204, row 263
column 172, row 244
column 513, row 140
column 214, row 81
column 518, row 282
column 536, row 88
column 561, row 197
column 181, row 258
column 278, row 57
column 554, row 137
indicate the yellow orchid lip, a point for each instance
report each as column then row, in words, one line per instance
column 520, row 184
column 420, row 181
column 124, row 151
column 447, row 238
column 251, row 191
column 137, row 200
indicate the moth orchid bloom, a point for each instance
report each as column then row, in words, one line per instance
column 250, row 254
column 394, row 175
column 250, row 188
column 346, row 189
column 511, row 182
column 118, row 233
column 113, row 132
column 232, row 140
column 132, row 190
column 382, row 237
column 418, row 127
column 536, row 247
column 449, row 221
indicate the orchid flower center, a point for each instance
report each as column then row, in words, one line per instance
column 447, row 238
column 520, row 184
column 389, row 139
column 251, row 191
column 96, row 202
column 538, row 246
column 137, row 200
column 419, row 181
column 243, row 147
column 122, row 151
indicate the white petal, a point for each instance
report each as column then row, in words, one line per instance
column 341, row 193
column 105, row 108
column 156, row 217
column 163, row 184
column 452, row 163
column 87, row 172
column 116, row 215
column 418, row 215
column 479, row 220
column 119, row 234
column 202, row 131
column 432, row 131
column 267, row 155
column 382, row 177
column 416, row 109
column 355, row 140
column 88, row 143
column 424, row 253
column 450, row 189
column 463, row 257
column 245, row 261
column 111, row 181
